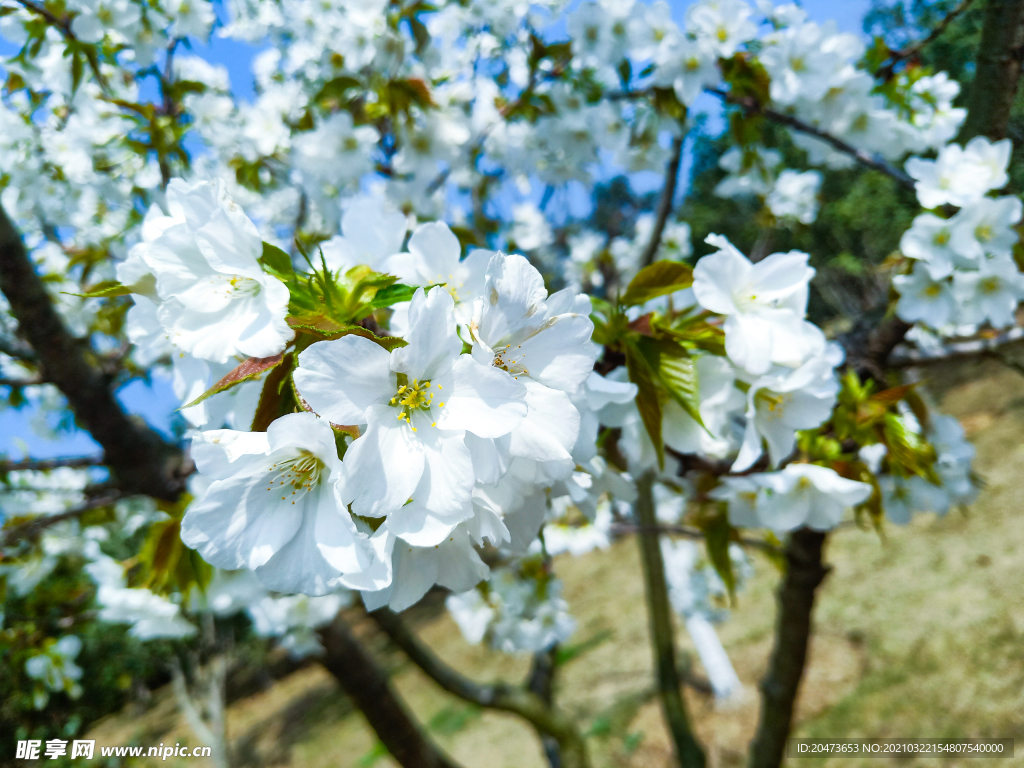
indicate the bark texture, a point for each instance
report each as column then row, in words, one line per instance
column 688, row 752
column 804, row 574
column 997, row 71
column 367, row 685
column 139, row 458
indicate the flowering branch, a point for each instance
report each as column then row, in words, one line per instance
column 36, row 526
column 367, row 685
column 688, row 751
column 65, row 29
column 906, row 358
column 752, row 106
column 886, row 71
column 142, row 461
column 528, row 704
column 665, row 203
column 804, row 573
column 46, row 464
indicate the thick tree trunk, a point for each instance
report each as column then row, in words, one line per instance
column 804, row 573
column 997, row 70
column 139, row 458
column 367, row 685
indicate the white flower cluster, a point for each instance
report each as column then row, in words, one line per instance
column 515, row 610
column 902, row 497
column 815, row 78
column 55, row 670
column 964, row 274
column 455, row 447
column 789, row 195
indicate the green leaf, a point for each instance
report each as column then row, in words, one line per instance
column 392, row 294
column 647, row 402
column 105, row 290
column 279, row 262
column 678, row 372
column 717, row 536
column 328, row 329
column 250, row 369
column 659, row 279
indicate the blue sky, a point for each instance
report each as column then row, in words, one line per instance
column 155, row 402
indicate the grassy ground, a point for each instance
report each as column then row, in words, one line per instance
column 919, row 633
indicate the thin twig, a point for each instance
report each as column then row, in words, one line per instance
column 36, row 526
column 668, row 194
column 697, row 534
column 886, row 70
column 751, row 106
column 4, row 382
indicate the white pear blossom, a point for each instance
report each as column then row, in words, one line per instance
column 989, row 294
column 800, row 495
column 985, row 227
column 779, row 404
column 923, row 298
column 544, row 343
column 930, row 240
column 725, row 25
column 55, row 669
column 795, row 196
column 764, row 305
column 275, row 506
column 215, row 300
column 416, row 404
column 956, row 177
column 372, row 231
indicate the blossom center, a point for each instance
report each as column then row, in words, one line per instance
column 991, row 285
column 722, row 34
column 302, row 471
column 511, row 361
column 984, row 233
column 412, row 398
column 932, row 290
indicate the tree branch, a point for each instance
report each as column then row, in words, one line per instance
column 695, row 533
column 956, row 350
column 17, row 349
column 47, row 464
column 530, row 706
column 688, row 751
column 4, row 382
column 541, row 681
column 751, row 106
column 141, row 461
column 37, row 525
column 668, row 194
column 804, row 573
column 367, row 685
column 886, row 70
column 997, row 70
